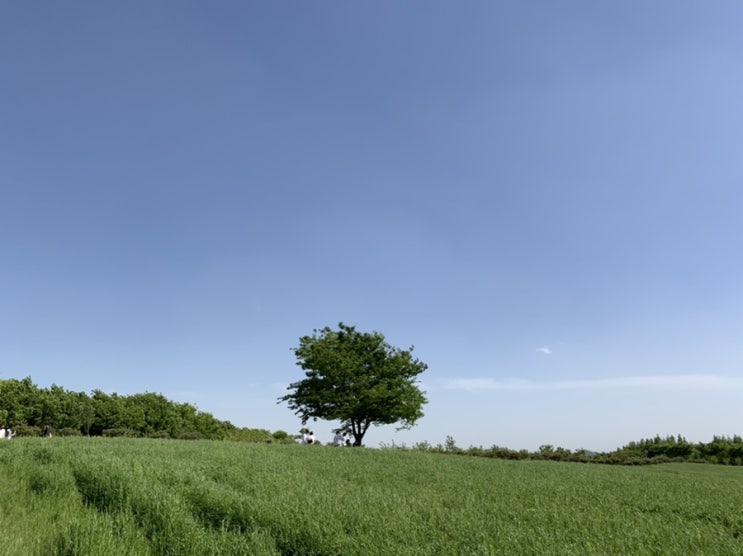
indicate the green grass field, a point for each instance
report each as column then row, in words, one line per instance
column 79, row 496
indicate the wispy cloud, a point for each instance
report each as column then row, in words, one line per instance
column 544, row 349
column 658, row 381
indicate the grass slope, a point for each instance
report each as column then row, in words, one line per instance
column 81, row 496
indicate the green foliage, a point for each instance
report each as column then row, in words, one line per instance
column 450, row 445
column 282, row 436
column 722, row 450
column 27, row 430
column 27, row 409
column 356, row 378
column 140, row 496
column 260, row 435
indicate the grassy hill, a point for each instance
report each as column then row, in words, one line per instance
column 78, row 496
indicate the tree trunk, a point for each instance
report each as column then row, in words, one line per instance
column 359, row 428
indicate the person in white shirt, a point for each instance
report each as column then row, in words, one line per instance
column 338, row 439
column 308, row 438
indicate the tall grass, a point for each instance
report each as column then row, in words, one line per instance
column 78, row 496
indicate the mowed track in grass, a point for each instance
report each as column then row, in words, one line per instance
column 78, row 496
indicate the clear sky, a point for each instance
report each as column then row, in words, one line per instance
column 544, row 198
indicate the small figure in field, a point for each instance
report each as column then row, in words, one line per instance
column 338, row 439
column 3, row 432
column 48, row 431
column 308, row 437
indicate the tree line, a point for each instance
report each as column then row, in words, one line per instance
column 724, row 450
column 27, row 409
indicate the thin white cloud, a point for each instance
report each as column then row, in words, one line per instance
column 714, row 382
column 544, row 349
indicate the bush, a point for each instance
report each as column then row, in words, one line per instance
column 27, row 430
column 251, row 435
column 159, row 434
column 282, row 437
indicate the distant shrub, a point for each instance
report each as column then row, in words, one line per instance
column 450, row 446
column 159, row 434
column 282, row 437
column 27, row 430
column 505, row 453
column 68, row 431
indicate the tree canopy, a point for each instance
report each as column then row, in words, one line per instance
column 27, row 409
column 356, row 378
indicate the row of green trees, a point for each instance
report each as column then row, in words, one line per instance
column 27, row 409
column 721, row 450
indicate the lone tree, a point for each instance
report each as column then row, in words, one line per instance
column 356, row 378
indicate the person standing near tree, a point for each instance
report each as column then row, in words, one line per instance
column 338, row 439
column 48, row 431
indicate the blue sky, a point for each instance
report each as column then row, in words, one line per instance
column 543, row 198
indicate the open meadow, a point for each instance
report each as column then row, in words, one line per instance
column 94, row 496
